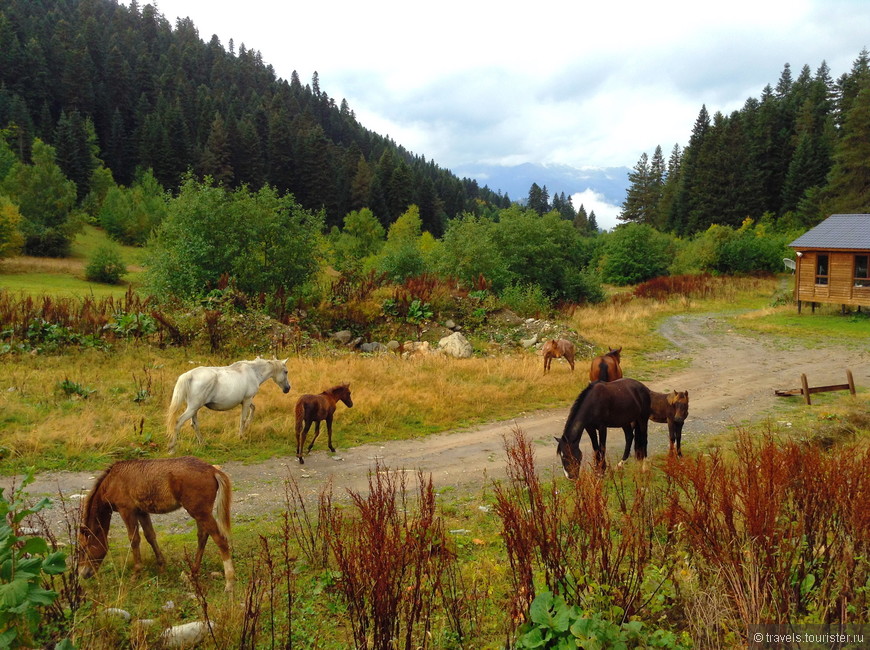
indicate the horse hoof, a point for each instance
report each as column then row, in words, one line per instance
column 301, row 462
column 619, row 465
column 332, row 449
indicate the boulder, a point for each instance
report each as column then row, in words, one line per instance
column 527, row 343
column 342, row 337
column 456, row 346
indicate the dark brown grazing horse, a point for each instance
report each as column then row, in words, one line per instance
column 136, row 489
column 314, row 408
column 671, row 408
column 619, row 403
column 555, row 348
column 609, row 361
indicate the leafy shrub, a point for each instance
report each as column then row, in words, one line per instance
column 106, row 266
column 10, row 236
column 131, row 215
column 261, row 239
column 750, row 252
column 553, row 623
column 527, row 300
column 634, row 253
column 25, row 562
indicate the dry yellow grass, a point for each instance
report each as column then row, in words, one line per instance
column 393, row 398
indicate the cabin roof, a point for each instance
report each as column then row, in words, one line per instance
column 839, row 231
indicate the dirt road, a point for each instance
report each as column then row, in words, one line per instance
column 730, row 377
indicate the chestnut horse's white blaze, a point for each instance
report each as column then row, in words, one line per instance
column 222, row 388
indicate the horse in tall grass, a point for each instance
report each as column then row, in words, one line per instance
column 316, row 408
column 222, row 388
column 555, row 348
column 136, row 489
column 622, row 403
column 605, row 367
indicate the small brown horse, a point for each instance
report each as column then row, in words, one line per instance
column 671, row 408
column 137, row 489
column 555, row 348
column 610, row 361
column 315, row 408
column 622, row 403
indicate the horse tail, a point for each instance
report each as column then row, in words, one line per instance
column 602, row 371
column 223, row 499
column 179, row 395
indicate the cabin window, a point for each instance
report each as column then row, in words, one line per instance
column 862, row 270
column 822, row 269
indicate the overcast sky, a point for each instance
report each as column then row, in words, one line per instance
column 550, row 82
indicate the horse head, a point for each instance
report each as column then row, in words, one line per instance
column 571, row 456
column 93, row 538
column 679, row 403
column 280, row 374
column 615, row 352
column 344, row 395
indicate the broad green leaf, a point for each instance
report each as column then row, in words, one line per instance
column 13, row 593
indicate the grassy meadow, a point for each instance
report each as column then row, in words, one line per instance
column 462, row 567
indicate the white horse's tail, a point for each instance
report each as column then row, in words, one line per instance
column 223, row 499
column 179, row 396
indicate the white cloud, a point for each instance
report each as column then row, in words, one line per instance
column 592, row 201
column 556, row 82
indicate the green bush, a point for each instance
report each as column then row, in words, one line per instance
column 750, row 252
column 526, row 300
column 106, row 266
column 634, row 253
column 263, row 241
column 555, row 624
column 131, row 215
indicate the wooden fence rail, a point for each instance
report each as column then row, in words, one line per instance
column 806, row 390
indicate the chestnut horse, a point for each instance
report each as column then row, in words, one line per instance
column 555, row 348
column 622, row 403
column 315, row 408
column 610, row 361
column 136, row 489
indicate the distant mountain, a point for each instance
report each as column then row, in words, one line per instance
column 610, row 182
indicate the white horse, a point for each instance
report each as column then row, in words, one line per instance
column 222, row 388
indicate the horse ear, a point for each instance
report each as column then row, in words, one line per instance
column 285, row 361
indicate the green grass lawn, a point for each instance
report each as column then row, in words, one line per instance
column 66, row 277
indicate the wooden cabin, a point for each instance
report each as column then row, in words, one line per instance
column 832, row 262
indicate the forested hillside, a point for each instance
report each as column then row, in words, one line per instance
column 100, row 81
column 799, row 152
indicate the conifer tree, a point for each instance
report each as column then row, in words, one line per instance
column 848, row 188
column 217, row 157
column 581, row 221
